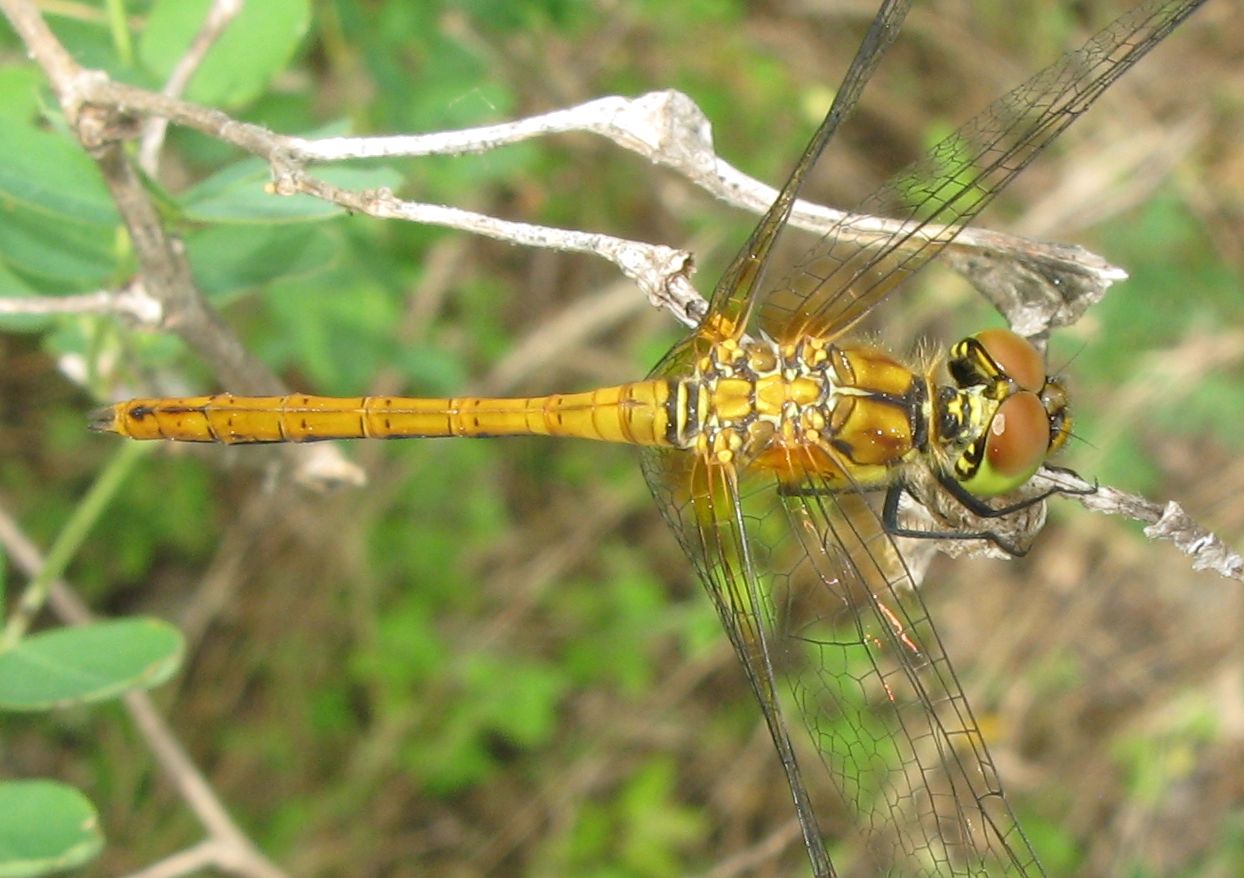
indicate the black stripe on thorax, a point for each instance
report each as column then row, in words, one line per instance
column 682, row 407
column 917, row 396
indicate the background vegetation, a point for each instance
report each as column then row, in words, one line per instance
column 494, row 660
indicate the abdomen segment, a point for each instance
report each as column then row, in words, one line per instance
column 634, row 413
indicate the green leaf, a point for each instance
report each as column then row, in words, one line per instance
column 338, row 336
column 66, row 253
column 658, row 826
column 88, row 663
column 231, row 259
column 1061, row 854
column 252, row 50
column 524, row 708
column 19, row 94
column 89, row 42
column 45, row 827
column 51, row 174
column 237, row 194
column 434, row 371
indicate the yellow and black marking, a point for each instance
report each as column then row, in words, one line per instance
column 850, row 415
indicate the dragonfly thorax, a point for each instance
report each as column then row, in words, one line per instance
column 849, row 414
column 852, row 414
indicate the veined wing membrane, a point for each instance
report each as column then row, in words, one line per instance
column 826, row 623
column 703, row 502
column 735, row 294
column 881, row 701
column 853, row 267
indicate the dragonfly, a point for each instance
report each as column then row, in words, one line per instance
column 779, row 449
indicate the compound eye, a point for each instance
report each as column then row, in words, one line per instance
column 1016, row 443
column 1015, row 356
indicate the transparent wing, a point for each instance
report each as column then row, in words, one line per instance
column 881, row 700
column 829, row 628
column 813, row 594
column 855, row 266
column 703, row 503
column 731, row 305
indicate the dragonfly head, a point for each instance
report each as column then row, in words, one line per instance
column 1011, row 416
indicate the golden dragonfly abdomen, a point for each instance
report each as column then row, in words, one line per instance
column 849, row 415
column 634, row 413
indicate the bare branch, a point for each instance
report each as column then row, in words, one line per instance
column 933, row 510
column 661, row 272
column 667, row 128
column 166, row 274
column 1168, row 522
column 187, row 861
column 218, row 17
column 164, row 269
column 1037, row 285
column 131, row 302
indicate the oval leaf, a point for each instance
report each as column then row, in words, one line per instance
column 252, row 49
column 88, row 663
column 50, row 174
column 230, row 259
column 58, row 250
column 19, row 94
column 45, row 827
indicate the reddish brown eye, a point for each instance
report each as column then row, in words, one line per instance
column 1016, row 443
column 1016, row 356
column 1019, row 437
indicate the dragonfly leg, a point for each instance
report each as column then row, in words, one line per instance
column 889, row 514
column 1070, row 473
column 981, row 509
column 889, row 520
